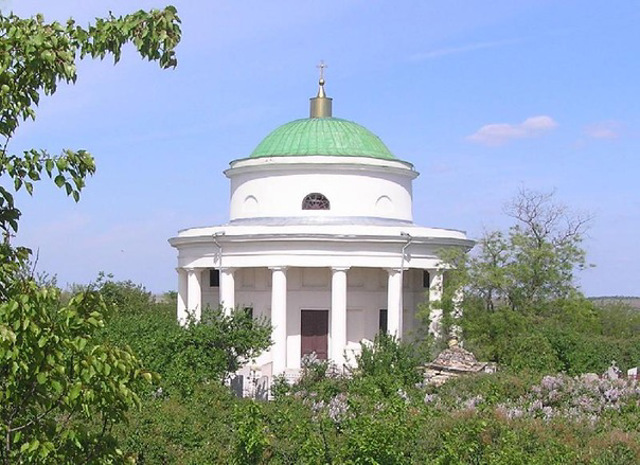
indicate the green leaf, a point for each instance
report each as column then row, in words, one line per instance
column 59, row 180
column 74, row 392
column 57, row 386
column 41, row 377
column 81, row 343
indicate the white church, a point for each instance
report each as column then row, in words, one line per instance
column 320, row 241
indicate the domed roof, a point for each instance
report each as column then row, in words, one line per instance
column 322, row 136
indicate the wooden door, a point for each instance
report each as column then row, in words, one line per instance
column 314, row 329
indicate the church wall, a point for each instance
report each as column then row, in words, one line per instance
column 280, row 194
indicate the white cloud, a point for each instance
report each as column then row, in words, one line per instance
column 603, row 130
column 440, row 52
column 501, row 133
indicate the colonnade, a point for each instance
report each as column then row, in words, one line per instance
column 190, row 305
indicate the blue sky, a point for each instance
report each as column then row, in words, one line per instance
column 483, row 97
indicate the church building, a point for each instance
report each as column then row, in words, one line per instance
column 320, row 240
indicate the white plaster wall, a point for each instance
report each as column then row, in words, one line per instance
column 358, row 190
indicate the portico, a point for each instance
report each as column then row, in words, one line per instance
column 358, row 301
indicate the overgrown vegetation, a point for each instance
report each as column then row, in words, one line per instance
column 371, row 417
column 104, row 374
column 187, row 409
column 184, row 357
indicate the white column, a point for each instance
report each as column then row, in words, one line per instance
column 435, row 305
column 394, row 302
column 194, row 292
column 227, row 290
column 182, row 296
column 279, row 318
column 456, row 330
column 338, row 315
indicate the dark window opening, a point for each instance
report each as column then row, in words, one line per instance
column 214, row 278
column 315, row 201
column 382, row 321
column 426, row 279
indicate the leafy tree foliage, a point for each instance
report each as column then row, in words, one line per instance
column 184, row 356
column 34, row 57
column 185, row 415
column 53, row 372
column 521, row 305
column 530, row 265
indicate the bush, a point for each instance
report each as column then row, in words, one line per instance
column 388, row 365
column 183, row 356
column 531, row 352
column 567, row 335
column 173, row 429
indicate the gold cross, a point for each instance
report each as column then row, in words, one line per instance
column 322, row 67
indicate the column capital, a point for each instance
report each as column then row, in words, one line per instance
column 393, row 271
column 340, row 268
column 226, row 269
column 278, row 268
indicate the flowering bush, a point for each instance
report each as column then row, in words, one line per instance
column 586, row 397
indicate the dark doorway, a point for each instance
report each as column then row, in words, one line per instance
column 383, row 321
column 314, row 329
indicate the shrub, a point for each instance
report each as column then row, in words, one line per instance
column 183, row 356
column 388, row 365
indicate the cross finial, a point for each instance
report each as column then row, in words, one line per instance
column 321, row 104
column 322, row 67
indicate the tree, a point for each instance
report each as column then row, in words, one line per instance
column 53, row 372
column 184, row 356
column 531, row 264
column 522, row 307
column 545, row 248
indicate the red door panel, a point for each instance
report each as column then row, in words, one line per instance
column 314, row 329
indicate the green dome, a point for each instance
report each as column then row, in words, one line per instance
column 322, row 136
